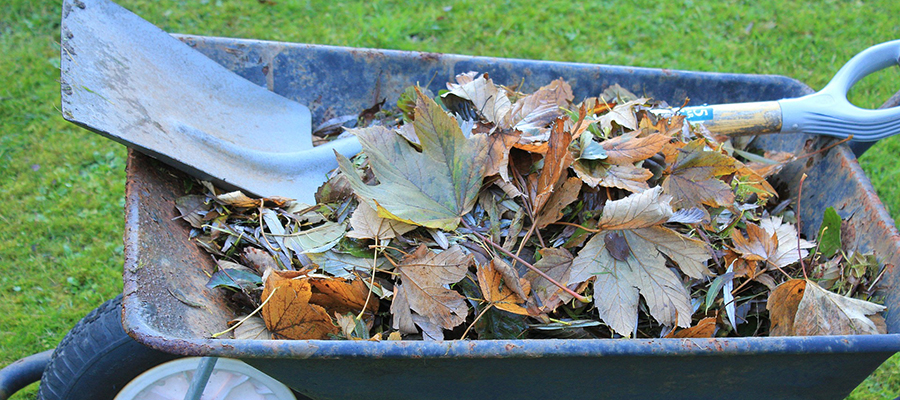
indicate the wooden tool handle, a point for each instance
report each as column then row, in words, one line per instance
column 737, row 119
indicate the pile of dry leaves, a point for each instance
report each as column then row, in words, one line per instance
column 487, row 213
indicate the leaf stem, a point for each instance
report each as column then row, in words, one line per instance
column 578, row 226
column 527, row 264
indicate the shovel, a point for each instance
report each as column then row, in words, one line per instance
column 128, row 80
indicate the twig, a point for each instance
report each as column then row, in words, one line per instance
column 527, row 264
column 799, row 249
column 371, row 285
column 215, row 335
column 485, row 310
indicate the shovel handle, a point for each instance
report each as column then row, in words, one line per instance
column 826, row 112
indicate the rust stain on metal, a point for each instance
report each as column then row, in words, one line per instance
column 430, row 56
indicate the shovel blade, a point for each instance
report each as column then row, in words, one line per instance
column 130, row 81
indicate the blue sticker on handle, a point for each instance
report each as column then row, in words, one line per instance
column 697, row 114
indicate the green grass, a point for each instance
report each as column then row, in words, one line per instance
column 61, row 188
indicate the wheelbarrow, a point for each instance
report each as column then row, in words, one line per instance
column 169, row 313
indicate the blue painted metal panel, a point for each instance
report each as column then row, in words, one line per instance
column 335, row 81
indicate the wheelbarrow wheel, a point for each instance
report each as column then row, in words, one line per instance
column 98, row 360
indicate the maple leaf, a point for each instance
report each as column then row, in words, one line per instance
column 771, row 241
column 423, row 275
column 533, row 113
column 289, row 314
column 432, row 188
column 622, row 114
column 620, row 279
column 490, row 100
column 498, row 291
column 800, row 307
column 629, row 149
column 627, row 177
column 694, row 178
column 759, row 245
column 367, row 224
column 790, row 249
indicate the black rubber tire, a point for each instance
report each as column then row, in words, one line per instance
column 97, row 358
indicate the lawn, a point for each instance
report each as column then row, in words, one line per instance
column 61, row 187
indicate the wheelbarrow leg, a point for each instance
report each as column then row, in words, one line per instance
column 201, row 378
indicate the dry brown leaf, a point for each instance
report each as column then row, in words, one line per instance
column 597, row 173
column 536, row 111
column 533, row 147
column 694, row 178
column 253, row 328
column 640, row 210
column 826, row 313
column 556, row 263
column 239, row 199
column 497, row 161
column 759, row 245
column 772, row 241
column 778, row 158
column 288, row 313
column 510, row 277
column 367, row 224
column 556, row 162
column 790, row 248
column 497, row 292
column 705, row 328
column 623, row 115
column 423, row 276
column 489, row 99
column 620, row 280
column 800, row 307
column 757, row 182
column 629, row 149
column 558, row 200
column 338, row 295
column 193, row 208
column 627, row 177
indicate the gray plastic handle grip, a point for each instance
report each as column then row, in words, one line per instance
column 828, row 112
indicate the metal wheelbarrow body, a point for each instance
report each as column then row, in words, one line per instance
column 168, row 307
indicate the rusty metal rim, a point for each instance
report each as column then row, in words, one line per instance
column 526, row 348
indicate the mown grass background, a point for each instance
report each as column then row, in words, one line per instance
column 61, row 188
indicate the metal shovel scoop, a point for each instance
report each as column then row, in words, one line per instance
column 128, row 80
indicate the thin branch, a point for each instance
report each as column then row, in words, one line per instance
column 215, row 335
column 527, row 264
column 800, row 249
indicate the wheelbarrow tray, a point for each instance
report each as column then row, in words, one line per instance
column 168, row 307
